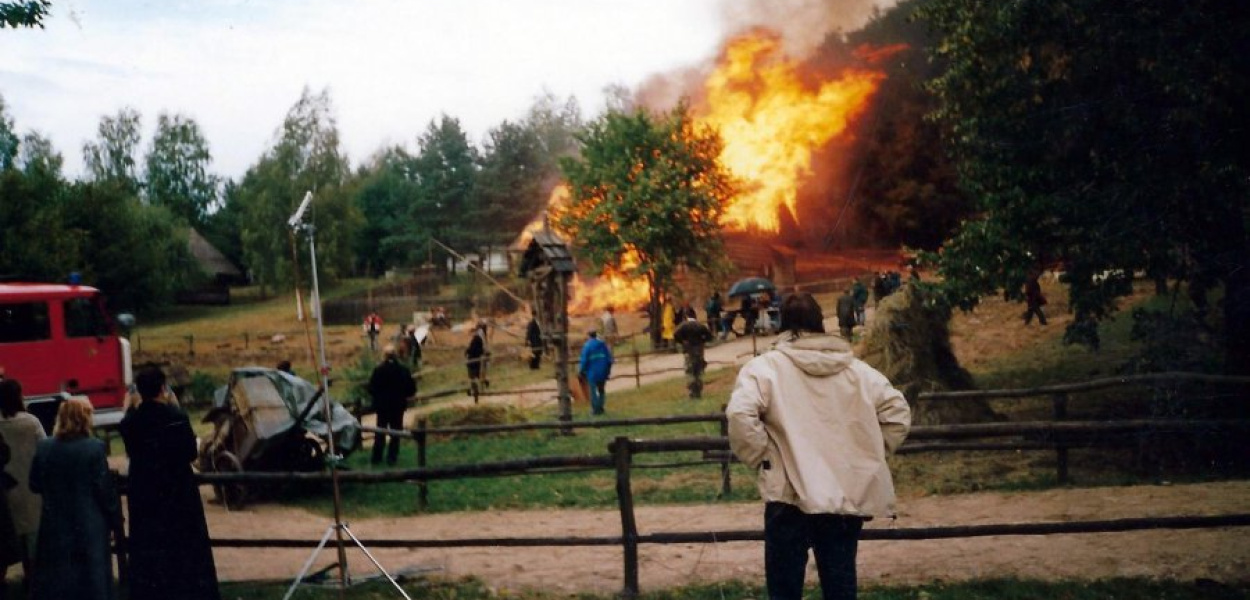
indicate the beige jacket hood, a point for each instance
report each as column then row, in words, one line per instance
column 817, row 424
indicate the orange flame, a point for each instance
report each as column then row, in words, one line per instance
column 614, row 287
column 771, row 122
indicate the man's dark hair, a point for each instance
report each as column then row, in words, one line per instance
column 150, row 380
column 800, row 312
column 11, row 398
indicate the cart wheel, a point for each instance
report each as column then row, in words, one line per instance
column 309, row 455
column 232, row 495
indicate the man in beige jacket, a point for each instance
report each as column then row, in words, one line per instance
column 817, row 424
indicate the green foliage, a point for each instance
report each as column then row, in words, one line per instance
column 135, row 253
column 8, row 138
column 1103, row 137
column 112, row 157
column 222, row 226
column 512, row 186
column 36, row 243
column 177, row 169
column 37, row 156
column 445, row 170
column 24, row 13
column 651, row 184
column 201, row 389
column 305, row 157
column 383, row 192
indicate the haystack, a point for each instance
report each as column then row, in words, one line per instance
column 909, row 342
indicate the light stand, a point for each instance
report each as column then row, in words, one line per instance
column 338, row 527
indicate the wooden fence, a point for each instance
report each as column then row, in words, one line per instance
column 622, row 450
column 1061, row 439
column 620, row 457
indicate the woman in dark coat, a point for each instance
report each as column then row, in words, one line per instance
column 80, row 509
column 170, row 556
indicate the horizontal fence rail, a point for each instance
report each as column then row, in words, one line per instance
column 1153, row 379
column 757, row 535
column 1041, row 435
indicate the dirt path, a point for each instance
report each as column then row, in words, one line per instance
column 1220, row 554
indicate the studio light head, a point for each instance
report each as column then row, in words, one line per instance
column 298, row 217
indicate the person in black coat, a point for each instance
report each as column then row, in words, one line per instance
column 80, row 510
column 170, row 555
column 391, row 385
column 534, row 338
column 475, row 358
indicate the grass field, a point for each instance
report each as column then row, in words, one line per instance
column 998, row 349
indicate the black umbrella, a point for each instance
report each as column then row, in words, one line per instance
column 751, row 285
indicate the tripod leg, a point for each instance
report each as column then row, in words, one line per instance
column 308, row 564
column 375, row 562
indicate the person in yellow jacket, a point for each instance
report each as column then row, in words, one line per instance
column 817, row 424
column 667, row 326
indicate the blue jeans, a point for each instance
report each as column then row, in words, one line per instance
column 789, row 532
column 597, row 399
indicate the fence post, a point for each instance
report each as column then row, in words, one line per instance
column 120, row 541
column 621, row 454
column 138, row 343
column 725, row 488
column 191, row 344
column 1061, row 448
column 637, row 370
column 423, row 490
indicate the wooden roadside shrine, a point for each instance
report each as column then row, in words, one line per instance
column 549, row 265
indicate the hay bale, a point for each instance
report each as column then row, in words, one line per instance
column 909, row 342
column 477, row 414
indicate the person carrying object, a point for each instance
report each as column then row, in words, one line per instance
column 595, row 364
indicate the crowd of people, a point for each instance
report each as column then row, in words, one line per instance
column 61, row 507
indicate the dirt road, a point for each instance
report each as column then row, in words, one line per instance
column 1221, row 554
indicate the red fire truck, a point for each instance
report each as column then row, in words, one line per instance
column 59, row 341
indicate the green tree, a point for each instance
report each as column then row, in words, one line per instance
column 37, row 155
column 650, row 184
column 36, row 244
column 136, row 253
column 8, row 138
column 112, row 157
column 221, row 227
column 305, row 157
column 445, row 170
column 177, row 169
column 1102, row 137
column 556, row 123
column 512, row 184
column 386, row 188
column 25, row 13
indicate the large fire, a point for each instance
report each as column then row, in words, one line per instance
column 771, row 122
column 612, row 288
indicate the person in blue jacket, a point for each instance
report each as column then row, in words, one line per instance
column 596, row 367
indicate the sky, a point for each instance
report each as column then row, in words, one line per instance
column 391, row 66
